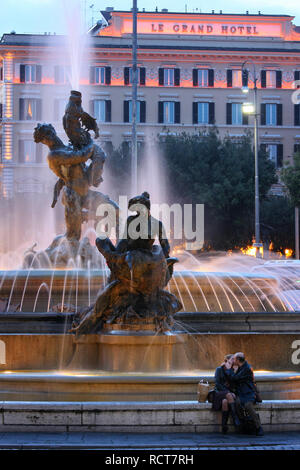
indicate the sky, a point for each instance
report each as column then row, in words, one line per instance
column 39, row 16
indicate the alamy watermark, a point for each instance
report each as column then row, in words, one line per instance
column 296, row 93
column 177, row 222
column 296, row 354
column 2, row 352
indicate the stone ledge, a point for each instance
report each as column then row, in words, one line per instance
column 202, row 322
column 183, row 416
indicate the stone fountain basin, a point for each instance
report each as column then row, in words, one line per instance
column 91, row 386
column 42, row 290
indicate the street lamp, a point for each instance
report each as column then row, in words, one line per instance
column 248, row 108
column 134, row 183
column 252, row 109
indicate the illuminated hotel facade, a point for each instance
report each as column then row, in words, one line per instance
column 190, row 78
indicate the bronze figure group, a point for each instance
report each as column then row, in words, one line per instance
column 134, row 295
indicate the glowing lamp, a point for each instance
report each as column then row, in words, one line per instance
column 248, row 108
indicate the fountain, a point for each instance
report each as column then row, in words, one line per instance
column 113, row 322
column 97, row 313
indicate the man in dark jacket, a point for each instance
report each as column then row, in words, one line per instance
column 241, row 376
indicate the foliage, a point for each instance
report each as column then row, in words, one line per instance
column 290, row 175
column 204, row 168
column 277, row 222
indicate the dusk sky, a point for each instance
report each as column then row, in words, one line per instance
column 39, row 16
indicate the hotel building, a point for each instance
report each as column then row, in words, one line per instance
column 189, row 77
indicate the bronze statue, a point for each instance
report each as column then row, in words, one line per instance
column 74, row 176
column 139, row 272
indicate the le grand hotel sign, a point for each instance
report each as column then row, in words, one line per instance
column 211, row 28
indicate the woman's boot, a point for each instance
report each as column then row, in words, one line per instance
column 225, row 415
column 234, row 415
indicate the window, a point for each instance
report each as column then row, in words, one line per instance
column 131, row 75
column 271, row 79
column 61, row 74
column 271, row 114
column 202, row 113
column 235, row 115
column 169, row 77
column 100, row 75
column 128, row 75
column 275, row 152
column 237, row 78
column 30, row 73
column 296, row 148
column 169, row 112
column 101, row 110
column 296, row 114
column 272, row 151
column 203, row 78
column 140, row 111
column 30, row 152
column 30, row 109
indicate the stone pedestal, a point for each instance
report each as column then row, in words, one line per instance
column 126, row 348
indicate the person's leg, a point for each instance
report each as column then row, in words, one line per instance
column 239, row 408
column 233, row 411
column 249, row 407
column 225, row 414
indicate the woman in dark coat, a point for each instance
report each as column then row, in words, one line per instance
column 222, row 397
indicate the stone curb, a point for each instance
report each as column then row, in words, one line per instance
column 276, row 415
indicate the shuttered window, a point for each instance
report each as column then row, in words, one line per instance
column 236, row 78
column 275, row 152
column 30, row 73
column 140, row 111
column 237, row 114
column 271, row 114
column 30, row 109
column 99, row 110
column 100, row 75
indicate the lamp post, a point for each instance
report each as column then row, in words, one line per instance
column 249, row 109
column 134, row 100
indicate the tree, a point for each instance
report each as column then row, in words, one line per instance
column 291, row 178
column 203, row 168
column 277, row 221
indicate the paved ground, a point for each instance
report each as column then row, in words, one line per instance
column 122, row 441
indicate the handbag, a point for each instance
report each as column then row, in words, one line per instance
column 258, row 397
column 202, row 390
